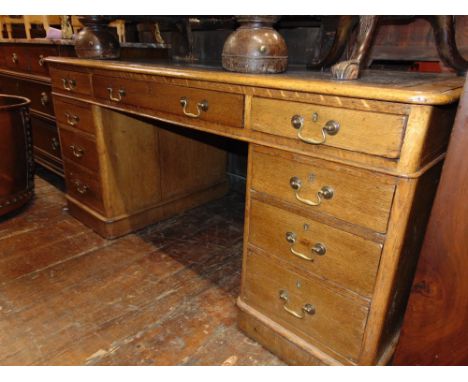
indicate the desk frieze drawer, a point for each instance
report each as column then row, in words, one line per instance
column 74, row 114
column 79, row 149
column 83, row 186
column 357, row 196
column 343, row 258
column 305, row 306
column 368, row 132
column 188, row 103
column 70, row 82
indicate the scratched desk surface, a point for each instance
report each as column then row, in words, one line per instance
column 162, row 296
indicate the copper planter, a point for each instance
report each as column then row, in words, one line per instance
column 16, row 156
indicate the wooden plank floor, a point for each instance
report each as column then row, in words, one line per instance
column 162, row 296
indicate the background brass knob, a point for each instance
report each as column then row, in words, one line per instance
column 55, row 144
column 68, row 85
column 297, row 121
column 44, row 99
column 14, row 58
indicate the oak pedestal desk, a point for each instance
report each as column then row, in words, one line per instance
column 341, row 176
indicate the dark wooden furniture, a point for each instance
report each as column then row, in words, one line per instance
column 350, row 69
column 340, row 182
column 16, row 157
column 23, row 71
column 435, row 329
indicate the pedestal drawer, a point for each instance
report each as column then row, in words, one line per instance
column 340, row 257
column 83, row 186
column 74, row 114
column 305, row 306
column 186, row 102
column 368, row 132
column 79, row 149
column 356, row 196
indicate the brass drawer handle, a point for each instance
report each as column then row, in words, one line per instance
column 120, row 94
column 318, row 248
column 307, row 308
column 326, row 192
column 77, row 151
column 81, row 188
column 68, row 84
column 72, row 119
column 14, row 58
column 41, row 60
column 44, row 99
column 201, row 106
column 55, row 144
column 330, row 128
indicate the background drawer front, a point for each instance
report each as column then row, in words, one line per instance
column 36, row 56
column 224, row 108
column 70, row 82
column 359, row 197
column 16, row 58
column 40, row 96
column 45, row 136
column 9, row 85
column 2, row 56
column 366, row 132
column 74, row 114
column 78, row 149
column 83, row 186
column 338, row 322
column 349, row 260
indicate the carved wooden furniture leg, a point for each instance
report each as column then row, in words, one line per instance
column 444, row 33
column 343, row 31
column 182, row 41
column 350, row 69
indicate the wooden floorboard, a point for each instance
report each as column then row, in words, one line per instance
column 164, row 295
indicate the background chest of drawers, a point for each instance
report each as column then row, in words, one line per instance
column 339, row 188
column 23, row 71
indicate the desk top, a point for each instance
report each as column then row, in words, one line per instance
column 415, row 88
